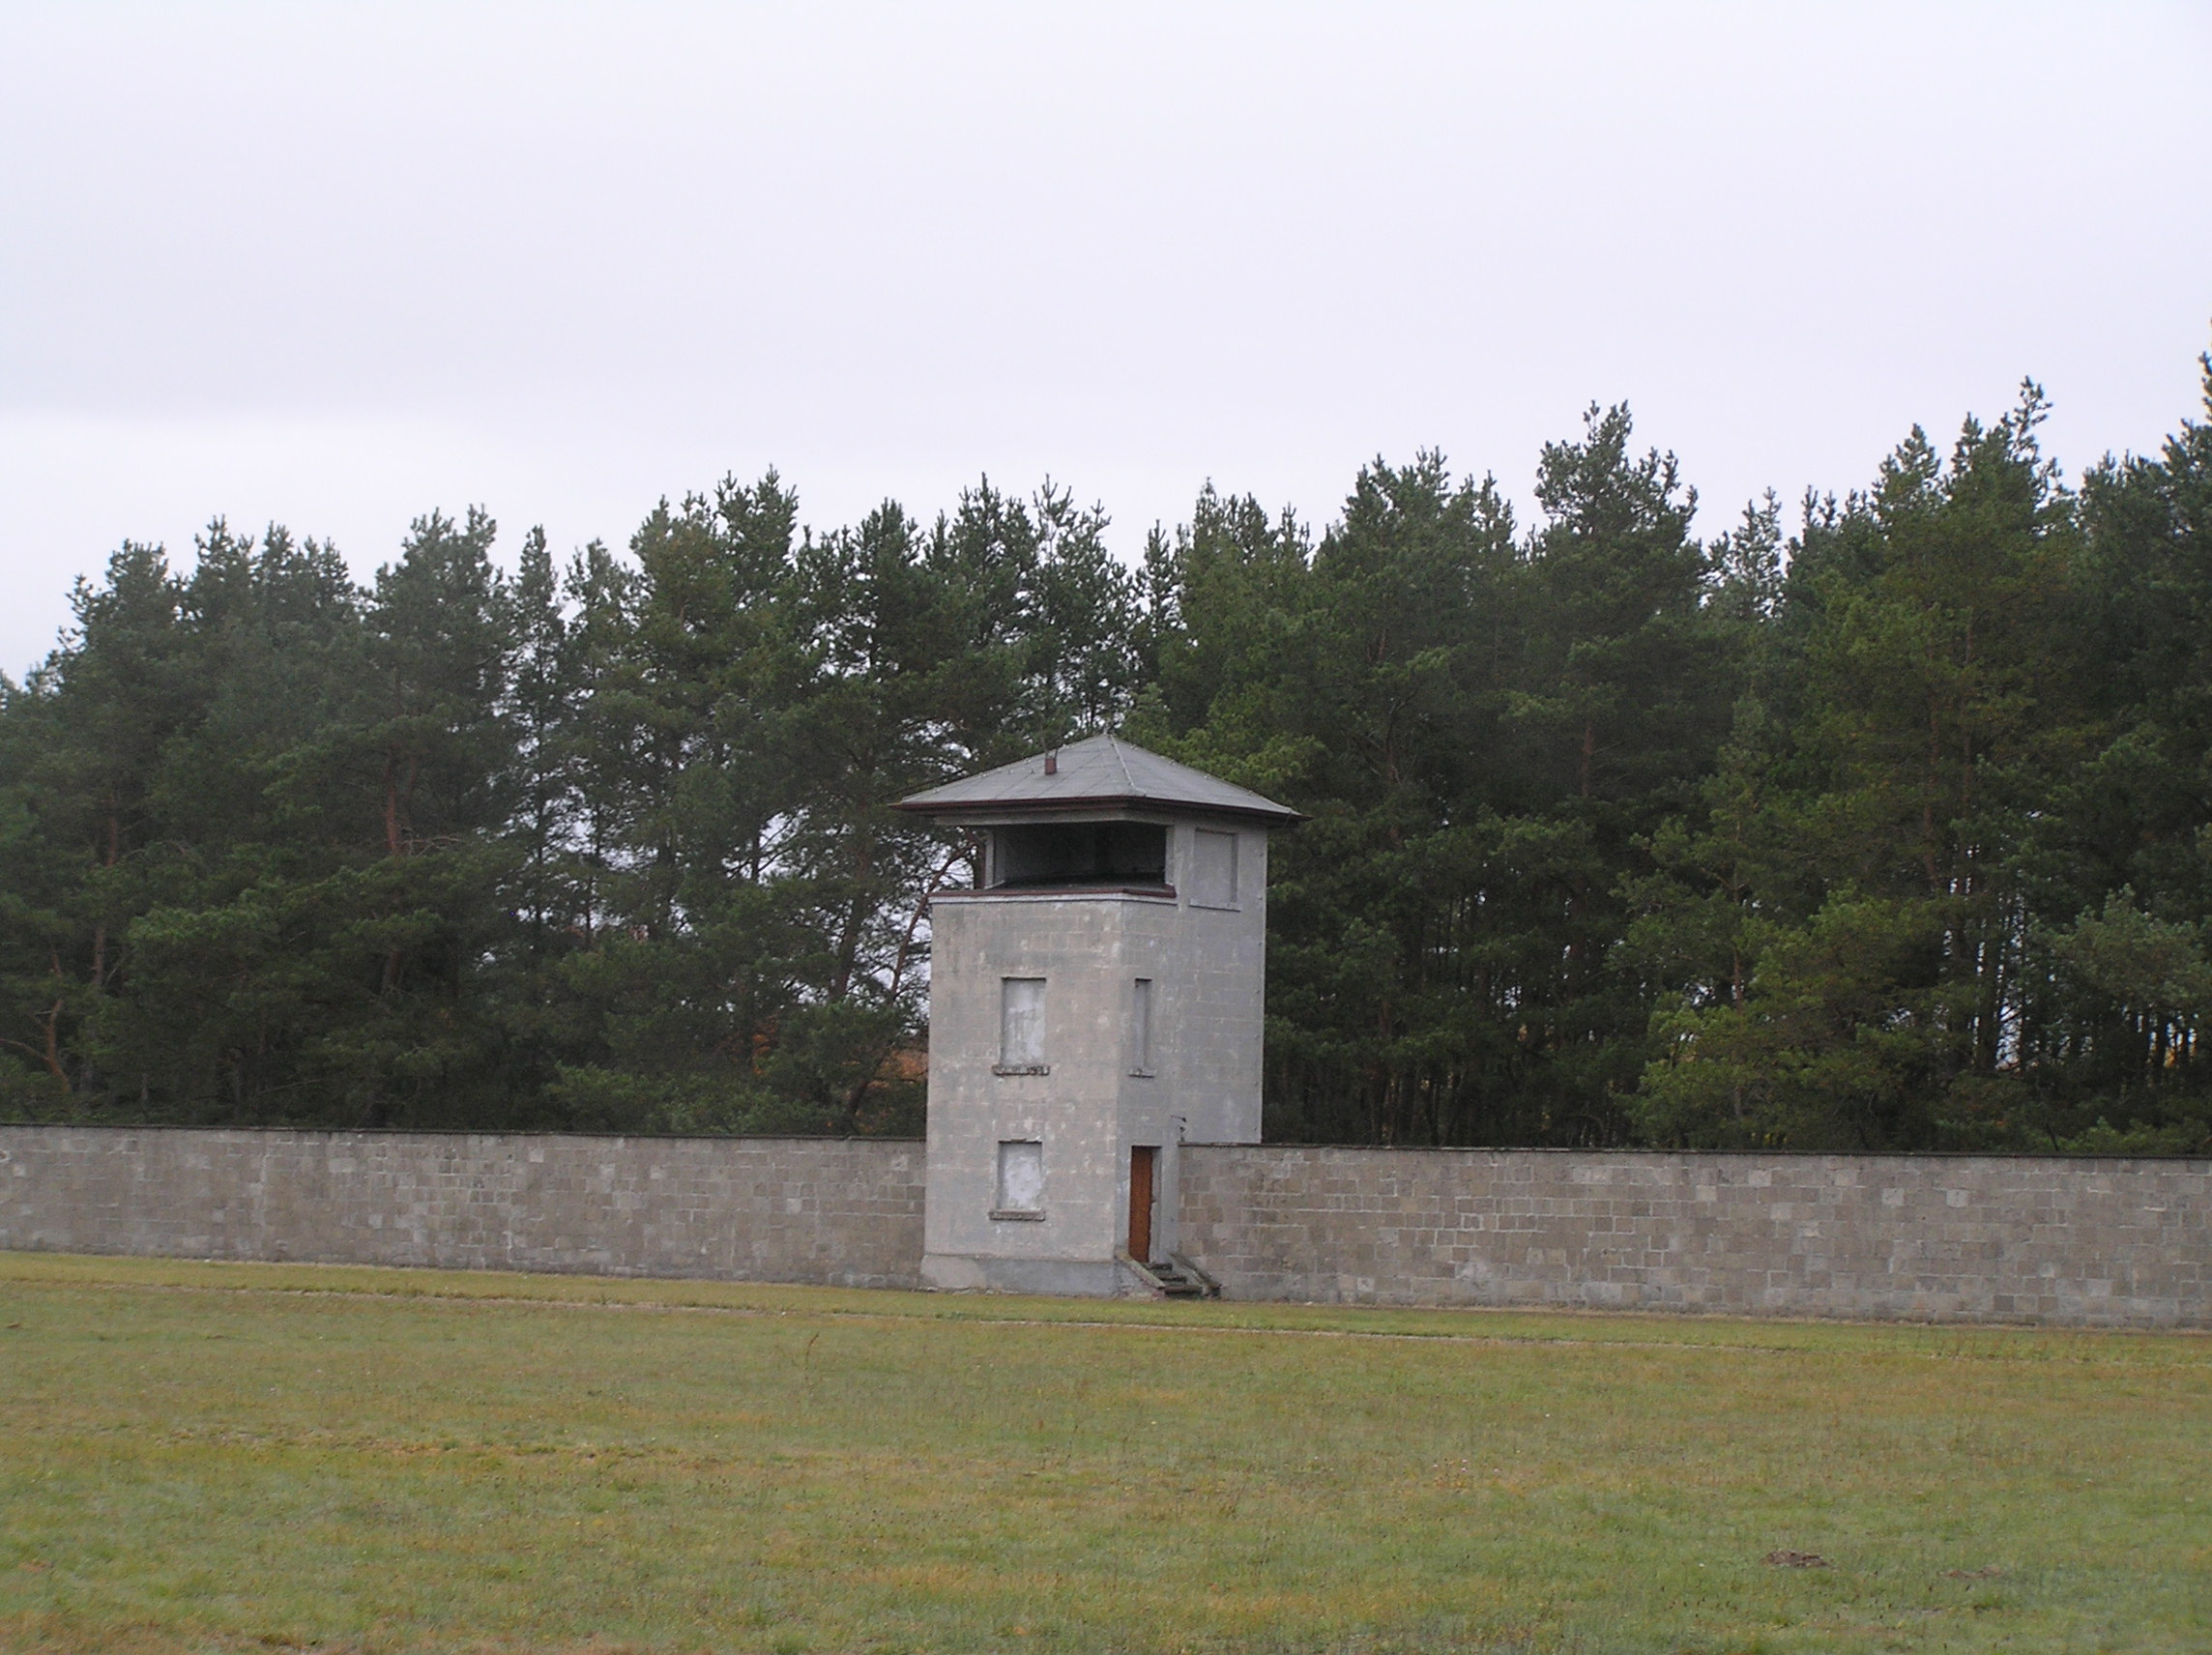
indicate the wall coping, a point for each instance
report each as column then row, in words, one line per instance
column 2038, row 1156
column 461, row 1132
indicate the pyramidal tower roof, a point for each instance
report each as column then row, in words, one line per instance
column 1098, row 773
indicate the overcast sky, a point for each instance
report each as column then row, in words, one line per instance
column 335, row 265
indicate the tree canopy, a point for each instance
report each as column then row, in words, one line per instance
column 1889, row 831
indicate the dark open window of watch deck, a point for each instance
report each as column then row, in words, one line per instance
column 1054, row 856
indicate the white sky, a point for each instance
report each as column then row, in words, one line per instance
column 335, row 264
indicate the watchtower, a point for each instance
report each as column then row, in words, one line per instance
column 1094, row 1000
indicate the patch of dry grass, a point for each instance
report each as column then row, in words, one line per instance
column 247, row 1457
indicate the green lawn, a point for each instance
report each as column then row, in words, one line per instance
column 247, row 1457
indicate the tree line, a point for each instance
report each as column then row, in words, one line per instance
column 1889, row 830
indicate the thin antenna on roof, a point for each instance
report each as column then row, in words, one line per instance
column 1051, row 762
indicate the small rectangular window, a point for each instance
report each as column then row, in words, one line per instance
column 1021, row 1180
column 1021, row 1025
column 1213, row 869
column 1141, row 1027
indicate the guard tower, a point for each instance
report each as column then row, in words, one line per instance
column 1094, row 1002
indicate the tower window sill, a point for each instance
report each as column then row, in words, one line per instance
column 1021, row 1068
column 1018, row 1215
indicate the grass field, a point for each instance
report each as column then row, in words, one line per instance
column 202, row 1457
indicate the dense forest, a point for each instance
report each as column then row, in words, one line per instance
column 1890, row 827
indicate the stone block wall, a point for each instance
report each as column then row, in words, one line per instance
column 836, row 1212
column 2083, row 1241
column 2080, row 1241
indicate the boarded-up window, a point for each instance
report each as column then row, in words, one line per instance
column 1021, row 1177
column 1021, row 1023
column 1213, row 869
column 1141, row 1027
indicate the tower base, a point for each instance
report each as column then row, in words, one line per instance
column 1060, row 1278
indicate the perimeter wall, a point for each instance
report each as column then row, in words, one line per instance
column 2082, row 1240
column 838, row 1211
column 2085, row 1242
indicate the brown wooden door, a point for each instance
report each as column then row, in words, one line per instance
column 1141, row 1159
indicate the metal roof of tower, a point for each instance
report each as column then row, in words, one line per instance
column 1095, row 772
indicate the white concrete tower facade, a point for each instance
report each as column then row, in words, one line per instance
column 1095, row 1003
